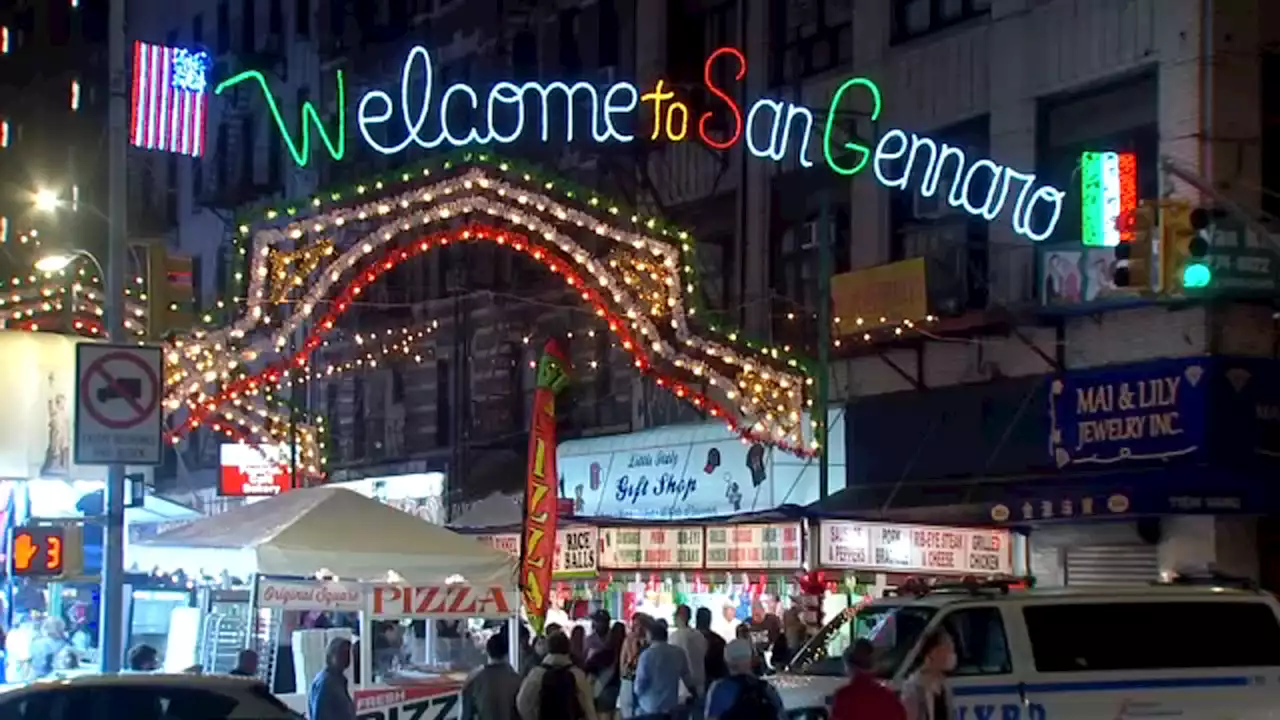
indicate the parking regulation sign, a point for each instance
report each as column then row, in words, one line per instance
column 119, row 391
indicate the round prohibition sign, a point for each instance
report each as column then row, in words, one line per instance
column 151, row 389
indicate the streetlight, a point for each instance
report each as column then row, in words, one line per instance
column 46, row 200
column 60, row 261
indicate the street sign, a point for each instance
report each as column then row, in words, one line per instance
column 37, row 552
column 1242, row 263
column 119, row 391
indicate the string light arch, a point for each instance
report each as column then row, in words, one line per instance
column 305, row 265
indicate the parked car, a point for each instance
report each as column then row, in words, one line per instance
column 144, row 696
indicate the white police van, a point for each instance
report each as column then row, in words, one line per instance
column 1191, row 652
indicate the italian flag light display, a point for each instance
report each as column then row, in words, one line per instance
column 1108, row 192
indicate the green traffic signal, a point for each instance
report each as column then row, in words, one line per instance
column 1196, row 275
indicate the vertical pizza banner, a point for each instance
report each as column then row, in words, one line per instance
column 540, row 499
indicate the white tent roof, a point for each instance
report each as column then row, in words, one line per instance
column 325, row 530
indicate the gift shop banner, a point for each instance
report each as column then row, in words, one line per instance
column 913, row 548
column 690, row 471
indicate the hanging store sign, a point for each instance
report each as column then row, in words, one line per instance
column 771, row 129
column 661, row 548
column 310, row 595
column 442, row 602
column 508, row 543
column 914, row 548
column 1146, row 412
column 253, row 470
column 755, row 547
column 576, row 550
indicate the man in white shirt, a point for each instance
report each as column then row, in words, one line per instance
column 727, row 626
column 695, row 648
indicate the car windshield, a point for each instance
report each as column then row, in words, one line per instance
column 892, row 629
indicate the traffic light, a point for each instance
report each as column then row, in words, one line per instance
column 1133, row 254
column 1186, row 234
column 171, row 292
column 46, row 551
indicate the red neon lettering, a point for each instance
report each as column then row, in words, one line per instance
column 718, row 92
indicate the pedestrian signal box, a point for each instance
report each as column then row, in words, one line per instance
column 46, row 551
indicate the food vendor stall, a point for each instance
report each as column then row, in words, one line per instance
column 575, row 591
column 867, row 559
column 333, row 550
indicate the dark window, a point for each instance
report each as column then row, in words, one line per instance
column 220, row 152
column 570, row 57
column 275, row 148
column 247, row 141
column 359, row 430
column 331, row 404
column 397, row 385
column 444, row 394
column 1135, row 636
column 197, row 283
column 197, row 30
column 224, row 27
column 914, row 18
column 302, row 18
column 809, row 38
column 610, row 33
column 248, row 26
column 275, row 18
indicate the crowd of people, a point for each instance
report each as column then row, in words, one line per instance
column 648, row 671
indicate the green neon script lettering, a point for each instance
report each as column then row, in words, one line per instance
column 301, row 152
column 864, row 152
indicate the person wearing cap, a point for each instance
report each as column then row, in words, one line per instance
column 864, row 698
column 742, row 694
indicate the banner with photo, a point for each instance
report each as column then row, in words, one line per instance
column 1070, row 274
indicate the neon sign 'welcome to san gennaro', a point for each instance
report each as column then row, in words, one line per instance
column 769, row 128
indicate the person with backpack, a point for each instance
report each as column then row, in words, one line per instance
column 556, row 689
column 742, row 695
column 713, row 659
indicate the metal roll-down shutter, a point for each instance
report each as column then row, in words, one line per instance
column 1111, row 565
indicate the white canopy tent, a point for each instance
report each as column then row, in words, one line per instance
column 324, row 531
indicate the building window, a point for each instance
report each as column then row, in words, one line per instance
column 4, row 40
column 275, row 18
column 75, row 95
column 810, row 38
column 916, row 18
column 5, row 135
column 693, row 34
column 302, row 18
column 248, row 30
column 224, row 27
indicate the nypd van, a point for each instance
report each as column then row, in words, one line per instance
column 1181, row 651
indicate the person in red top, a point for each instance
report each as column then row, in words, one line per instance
column 864, row 698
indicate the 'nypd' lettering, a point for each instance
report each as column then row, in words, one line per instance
column 1005, row 711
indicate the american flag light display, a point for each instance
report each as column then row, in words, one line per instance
column 170, row 99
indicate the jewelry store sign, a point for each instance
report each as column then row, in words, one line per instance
column 914, row 548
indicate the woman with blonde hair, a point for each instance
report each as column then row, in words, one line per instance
column 636, row 641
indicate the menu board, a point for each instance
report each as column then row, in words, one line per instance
column 664, row 548
column 755, row 547
column 575, row 552
column 914, row 548
column 576, row 549
column 508, row 543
